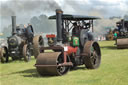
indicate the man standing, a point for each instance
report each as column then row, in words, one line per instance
column 29, row 32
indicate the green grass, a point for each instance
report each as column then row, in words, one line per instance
column 113, row 71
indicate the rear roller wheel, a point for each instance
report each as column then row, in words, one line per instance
column 37, row 43
column 49, row 64
column 26, row 53
column 92, row 56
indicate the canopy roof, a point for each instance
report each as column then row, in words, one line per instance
column 75, row 17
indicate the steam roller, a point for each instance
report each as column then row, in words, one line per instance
column 64, row 51
column 122, row 38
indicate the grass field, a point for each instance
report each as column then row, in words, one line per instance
column 113, row 71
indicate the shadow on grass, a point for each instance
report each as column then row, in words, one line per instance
column 109, row 47
column 78, row 68
column 27, row 73
column 12, row 61
column 34, row 73
column 16, row 60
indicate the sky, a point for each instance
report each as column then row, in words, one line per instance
column 105, row 7
column 29, row 8
column 108, row 7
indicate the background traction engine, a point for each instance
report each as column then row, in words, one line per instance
column 122, row 37
column 74, row 45
column 22, row 43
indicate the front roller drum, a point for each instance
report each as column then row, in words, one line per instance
column 51, row 64
column 122, row 43
column 92, row 55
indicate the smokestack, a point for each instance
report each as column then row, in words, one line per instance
column 59, row 22
column 13, row 25
column 123, row 27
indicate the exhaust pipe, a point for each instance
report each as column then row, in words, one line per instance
column 59, row 22
column 13, row 25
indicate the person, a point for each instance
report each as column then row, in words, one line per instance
column 119, row 26
column 29, row 32
column 115, row 35
column 75, row 30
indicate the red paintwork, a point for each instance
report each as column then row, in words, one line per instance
column 65, row 57
column 71, row 50
column 50, row 36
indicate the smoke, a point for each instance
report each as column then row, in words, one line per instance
column 16, row 7
column 103, row 25
column 24, row 10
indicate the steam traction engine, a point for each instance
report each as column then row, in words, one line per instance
column 122, row 37
column 74, row 46
column 21, row 44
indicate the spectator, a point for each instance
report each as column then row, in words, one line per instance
column 115, row 35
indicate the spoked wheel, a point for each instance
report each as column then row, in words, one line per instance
column 3, row 54
column 37, row 43
column 92, row 55
column 62, row 69
column 50, row 64
column 26, row 53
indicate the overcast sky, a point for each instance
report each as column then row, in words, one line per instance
column 29, row 8
column 107, row 7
